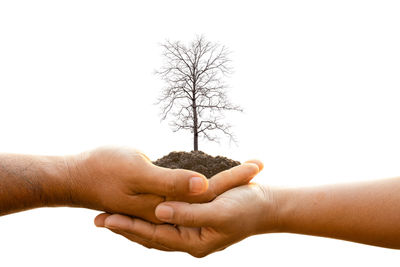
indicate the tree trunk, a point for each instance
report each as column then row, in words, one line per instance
column 195, row 119
column 196, row 142
column 195, row 129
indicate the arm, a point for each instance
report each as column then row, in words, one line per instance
column 367, row 212
column 362, row 212
column 115, row 180
column 28, row 182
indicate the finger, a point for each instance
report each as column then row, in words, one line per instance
column 141, row 205
column 228, row 179
column 236, row 176
column 258, row 162
column 143, row 154
column 171, row 182
column 186, row 214
column 140, row 241
column 99, row 219
column 165, row 235
column 138, row 205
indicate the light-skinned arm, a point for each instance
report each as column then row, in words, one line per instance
column 367, row 212
column 114, row 180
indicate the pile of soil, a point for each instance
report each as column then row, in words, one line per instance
column 196, row 161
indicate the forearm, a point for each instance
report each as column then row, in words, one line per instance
column 366, row 212
column 28, row 182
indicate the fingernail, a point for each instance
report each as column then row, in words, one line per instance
column 164, row 212
column 109, row 223
column 196, row 185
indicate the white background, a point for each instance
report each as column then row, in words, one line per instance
column 319, row 82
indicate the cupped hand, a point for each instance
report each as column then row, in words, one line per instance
column 123, row 180
column 201, row 229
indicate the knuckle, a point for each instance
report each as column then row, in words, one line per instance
column 199, row 252
column 200, row 249
column 197, row 255
column 213, row 193
column 223, row 248
column 130, row 227
column 189, row 218
column 227, row 173
column 224, row 181
column 140, row 153
column 153, row 236
column 171, row 187
column 141, row 156
column 147, row 245
column 137, row 159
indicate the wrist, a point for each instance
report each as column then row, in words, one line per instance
column 54, row 181
column 67, row 182
column 266, row 215
column 276, row 209
column 287, row 205
column 80, row 187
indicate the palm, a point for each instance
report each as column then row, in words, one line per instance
column 231, row 207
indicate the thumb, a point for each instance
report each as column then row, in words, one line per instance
column 172, row 182
column 186, row 214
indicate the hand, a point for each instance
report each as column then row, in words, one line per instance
column 122, row 180
column 202, row 228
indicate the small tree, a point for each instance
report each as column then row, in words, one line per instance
column 195, row 94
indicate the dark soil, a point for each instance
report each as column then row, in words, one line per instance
column 196, row 161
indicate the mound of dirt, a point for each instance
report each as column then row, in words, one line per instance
column 196, row 161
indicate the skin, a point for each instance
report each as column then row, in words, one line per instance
column 366, row 213
column 114, row 180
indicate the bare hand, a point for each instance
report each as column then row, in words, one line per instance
column 202, row 228
column 122, row 180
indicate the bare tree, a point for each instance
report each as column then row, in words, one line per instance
column 195, row 94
